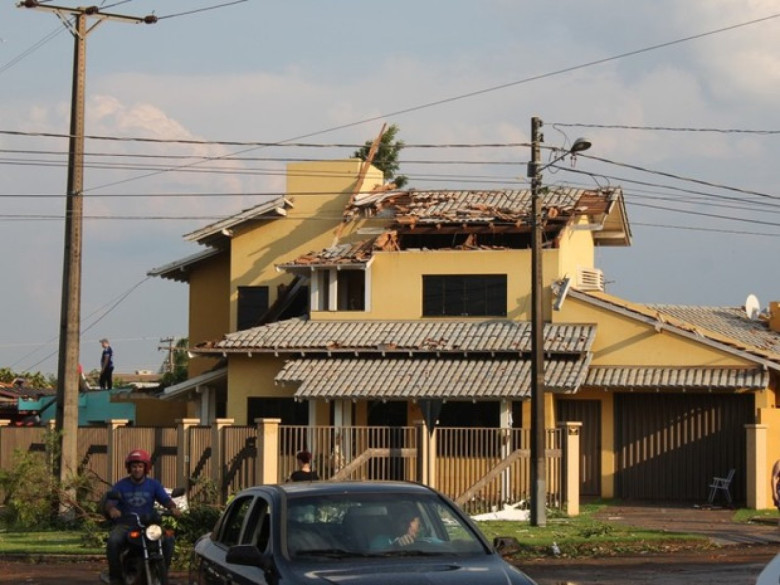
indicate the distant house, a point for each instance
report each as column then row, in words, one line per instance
column 344, row 304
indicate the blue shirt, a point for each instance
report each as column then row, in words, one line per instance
column 107, row 358
column 140, row 497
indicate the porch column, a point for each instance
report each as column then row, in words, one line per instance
column 183, row 451
column 571, row 467
column 426, row 454
column 112, row 457
column 218, row 455
column 4, row 422
column 757, row 474
column 267, row 450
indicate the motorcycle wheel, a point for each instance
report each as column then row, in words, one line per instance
column 156, row 573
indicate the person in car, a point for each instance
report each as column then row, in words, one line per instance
column 136, row 493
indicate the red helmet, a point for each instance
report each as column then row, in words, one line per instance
column 138, row 455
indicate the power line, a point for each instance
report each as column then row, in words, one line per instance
column 667, row 128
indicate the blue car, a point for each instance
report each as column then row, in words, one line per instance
column 378, row 533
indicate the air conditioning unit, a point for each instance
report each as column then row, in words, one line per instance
column 590, row 279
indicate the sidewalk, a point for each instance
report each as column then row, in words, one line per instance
column 714, row 523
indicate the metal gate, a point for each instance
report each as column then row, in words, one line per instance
column 588, row 412
column 669, row 447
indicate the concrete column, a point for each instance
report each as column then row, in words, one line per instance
column 112, row 457
column 4, row 422
column 571, row 466
column 183, row 451
column 267, row 450
column 218, row 454
column 426, row 454
column 757, row 473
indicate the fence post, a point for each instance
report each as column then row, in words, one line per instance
column 757, row 475
column 111, row 448
column 426, row 454
column 218, row 454
column 267, row 450
column 571, row 467
column 4, row 422
column 183, row 451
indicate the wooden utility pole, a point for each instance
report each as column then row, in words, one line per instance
column 170, row 349
column 70, row 309
column 538, row 461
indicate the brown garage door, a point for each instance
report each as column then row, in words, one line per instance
column 669, row 447
column 588, row 412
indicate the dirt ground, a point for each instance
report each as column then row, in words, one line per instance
column 732, row 565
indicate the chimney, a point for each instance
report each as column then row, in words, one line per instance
column 774, row 316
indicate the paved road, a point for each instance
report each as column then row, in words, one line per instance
column 727, row 566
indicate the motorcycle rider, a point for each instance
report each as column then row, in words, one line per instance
column 138, row 493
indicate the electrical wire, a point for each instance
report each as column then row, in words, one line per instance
column 666, row 128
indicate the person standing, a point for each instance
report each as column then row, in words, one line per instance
column 304, row 471
column 106, row 365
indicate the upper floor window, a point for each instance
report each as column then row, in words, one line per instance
column 464, row 295
column 252, row 305
column 339, row 290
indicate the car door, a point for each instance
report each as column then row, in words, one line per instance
column 213, row 569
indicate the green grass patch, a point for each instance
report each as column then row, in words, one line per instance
column 55, row 542
column 585, row 535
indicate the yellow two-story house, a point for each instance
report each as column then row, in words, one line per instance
column 344, row 303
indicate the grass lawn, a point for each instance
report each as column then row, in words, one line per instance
column 51, row 542
column 585, row 535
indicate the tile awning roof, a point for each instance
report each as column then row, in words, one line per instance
column 451, row 336
column 646, row 378
column 356, row 254
column 448, row 378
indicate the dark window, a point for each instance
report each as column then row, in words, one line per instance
column 252, row 305
column 351, row 290
column 287, row 409
column 473, row 295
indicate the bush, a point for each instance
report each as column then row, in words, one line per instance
column 30, row 489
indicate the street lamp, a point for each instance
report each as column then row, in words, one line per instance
column 538, row 462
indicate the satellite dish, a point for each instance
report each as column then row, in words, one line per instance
column 752, row 307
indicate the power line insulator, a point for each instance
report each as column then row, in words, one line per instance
column 150, row 19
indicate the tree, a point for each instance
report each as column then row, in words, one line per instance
column 180, row 363
column 386, row 157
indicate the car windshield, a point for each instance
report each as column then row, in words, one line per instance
column 386, row 525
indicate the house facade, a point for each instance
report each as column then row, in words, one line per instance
column 342, row 303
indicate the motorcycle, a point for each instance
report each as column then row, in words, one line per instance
column 143, row 562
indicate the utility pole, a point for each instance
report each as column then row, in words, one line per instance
column 169, row 348
column 70, row 309
column 538, row 460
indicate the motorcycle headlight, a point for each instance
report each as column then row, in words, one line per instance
column 154, row 532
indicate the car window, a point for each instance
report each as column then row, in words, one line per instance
column 258, row 525
column 234, row 520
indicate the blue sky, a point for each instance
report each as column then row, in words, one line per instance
column 269, row 71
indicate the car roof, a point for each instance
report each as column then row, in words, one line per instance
column 339, row 487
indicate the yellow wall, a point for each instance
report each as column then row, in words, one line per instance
column 576, row 251
column 319, row 192
column 771, row 418
column 153, row 412
column 252, row 376
column 209, row 306
column 622, row 341
column 396, row 280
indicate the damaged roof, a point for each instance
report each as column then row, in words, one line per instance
column 604, row 208
column 355, row 255
column 727, row 328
